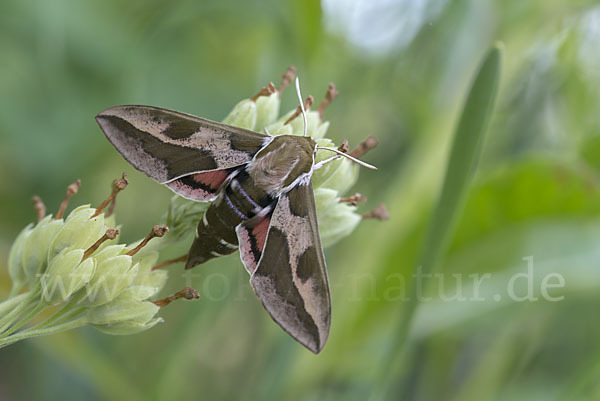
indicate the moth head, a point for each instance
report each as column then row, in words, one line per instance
column 283, row 161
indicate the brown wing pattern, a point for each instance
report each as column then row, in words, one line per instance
column 200, row 187
column 291, row 278
column 167, row 145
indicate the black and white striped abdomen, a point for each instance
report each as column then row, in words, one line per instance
column 238, row 201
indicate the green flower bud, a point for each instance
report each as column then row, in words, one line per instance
column 128, row 327
column 267, row 109
column 336, row 220
column 79, row 231
column 127, row 313
column 15, row 265
column 147, row 277
column 316, row 128
column 109, row 252
column 124, row 315
column 257, row 112
column 278, row 128
column 35, row 252
column 321, row 130
column 243, row 115
column 339, row 174
column 112, row 276
column 121, row 309
column 147, row 262
column 139, row 292
column 15, row 301
column 65, row 275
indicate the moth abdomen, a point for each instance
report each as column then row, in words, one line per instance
column 208, row 245
column 246, row 196
column 240, row 200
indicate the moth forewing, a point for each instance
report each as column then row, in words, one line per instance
column 291, row 277
column 167, row 145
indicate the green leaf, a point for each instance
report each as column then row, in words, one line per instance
column 464, row 155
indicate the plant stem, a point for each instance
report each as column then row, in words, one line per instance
column 30, row 333
column 66, row 311
column 8, row 319
column 9, row 304
column 24, row 320
column 14, row 290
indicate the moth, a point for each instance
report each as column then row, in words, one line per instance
column 261, row 199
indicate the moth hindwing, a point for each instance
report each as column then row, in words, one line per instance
column 262, row 203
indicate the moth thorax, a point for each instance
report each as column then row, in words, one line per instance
column 279, row 164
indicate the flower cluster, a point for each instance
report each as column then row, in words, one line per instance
column 76, row 267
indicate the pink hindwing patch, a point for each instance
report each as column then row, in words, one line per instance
column 252, row 236
column 201, row 187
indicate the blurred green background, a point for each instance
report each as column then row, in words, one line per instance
column 403, row 69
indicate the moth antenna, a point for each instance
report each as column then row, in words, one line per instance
column 267, row 131
column 187, row 293
column 301, row 105
column 170, row 262
column 39, row 207
column 340, row 153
